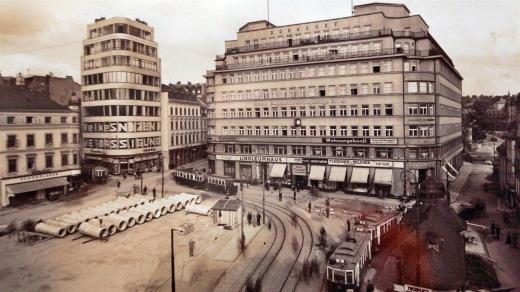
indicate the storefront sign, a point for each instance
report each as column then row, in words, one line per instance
column 366, row 163
column 42, row 176
column 299, row 169
column 410, row 288
column 251, row 158
column 315, row 160
column 357, row 141
column 127, row 143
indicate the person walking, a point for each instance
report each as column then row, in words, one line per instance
column 118, row 184
column 124, row 175
column 192, row 247
column 280, row 195
column 154, row 192
column 145, row 190
column 249, row 217
column 508, row 239
column 294, row 196
column 258, row 217
column 135, row 189
column 309, row 207
column 269, row 224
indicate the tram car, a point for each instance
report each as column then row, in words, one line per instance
column 198, row 180
column 348, row 263
column 94, row 174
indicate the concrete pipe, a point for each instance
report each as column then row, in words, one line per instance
column 139, row 218
column 199, row 209
column 69, row 227
column 157, row 205
column 170, row 204
column 148, row 215
column 94, row 230
column 76, row 217
column 130, row 220
column 111, row 228
column 179, row 204
column 73, row 224
column 197, row 199
column 103, row 211
column 91, row 213
column 156, row 211
column 118, row 222
column 50, row 229
column 117, row 206
column 181, row 198
column 126, row 202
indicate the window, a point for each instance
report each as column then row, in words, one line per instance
column 323, row 131
column 364, row 110
column 284, row 112
column 64, row 159
column 12, row 164
column 245, row 149
column 75, row 138
column 31, row 162
column 30, row 140
column 343, row 131
column 63, row 120
column 293, row 131
column 258, row 131
column 377, row 131
column 411, row 87
column 75, row 158
column 312, row 111
column 293, row 111
column 312, row 130
column 353, row 110
column 332, row 111
column 75, row 120
column 387, row 87
column 412, row 153
column 303, row 131
column 342, row 110
column 30, row 120
column 302, row 111
column 424, row 152
column 332, row 130
column 360, row 151
column 376, row 88
column 376, row 108
column 376, row 68
column 229, row 148
column 280, row 149
column 339, row 151
column 275, row 131
column 265, row 112
column 413, row 131
column 389, row 131
column 274, row 111
column 318, row 150
column 355, row 131
column 384, row 152
column 423, row 87
column 322, row 111
column 364, row 88
column 365, row 131
column 284, row 130
column 49, row 160
column 299, row 150
column 413, row 109
column 11, row 141
column 353, row 89
column 389, row 109
column 423, row 109
column 262, row 149
column 266, row 130
column 64, row 138
column 10, row 120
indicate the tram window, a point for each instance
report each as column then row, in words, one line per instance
column 350, row 277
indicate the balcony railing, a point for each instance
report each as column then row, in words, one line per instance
column 332, row 55
column 326, row 39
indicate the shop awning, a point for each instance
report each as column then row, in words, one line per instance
column 383, row 177
column 317, row 172
column 337, row 173
column 278, row 170
column 359, row 175
column 37, row 185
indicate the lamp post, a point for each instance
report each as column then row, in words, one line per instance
column 161, row 161
column 263, row 191
column 408, row 176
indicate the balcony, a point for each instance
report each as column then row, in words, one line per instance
column 326, row 39
column 332, row 55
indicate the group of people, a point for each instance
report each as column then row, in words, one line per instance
column 251, row 219
column 511, row 238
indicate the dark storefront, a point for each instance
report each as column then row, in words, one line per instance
column 179, row 157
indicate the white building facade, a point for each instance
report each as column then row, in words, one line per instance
column 121, row 108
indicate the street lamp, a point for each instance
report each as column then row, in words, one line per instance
column 408, row 176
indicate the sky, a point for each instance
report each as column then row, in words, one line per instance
column 482, row 37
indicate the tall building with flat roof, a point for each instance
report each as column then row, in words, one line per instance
column 346, row 103
column 121, row 87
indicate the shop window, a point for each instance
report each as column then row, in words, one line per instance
column 384, row 152
column 360, row 152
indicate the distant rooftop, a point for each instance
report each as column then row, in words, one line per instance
column 20, row 99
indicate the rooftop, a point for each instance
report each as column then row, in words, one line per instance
column 227, row 205
column 350, row 251
column 20, row 99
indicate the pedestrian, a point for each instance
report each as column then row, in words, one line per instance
column 192, row 247
column 294, row 196
column 327, row 210
column 145, row 189
column 124, row 175
column 249, row 218
column 508, row 239
column 135, row 175
column 269, row 224
column 135, row 189
column 280, row 195
column 258, row 218
column 118, row 184
column 293, row 187
column 309, row 207
column 154, row 192
column 493, row 228
column 348, row 225
column 497, row 232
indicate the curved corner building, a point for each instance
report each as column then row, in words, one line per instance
column 121, row 72
column 346, row 103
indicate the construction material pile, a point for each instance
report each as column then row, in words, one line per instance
column 115, row 216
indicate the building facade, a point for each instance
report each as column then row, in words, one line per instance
column 346, row 103
column 39, row 146
column 185, row 138
column 121, row 108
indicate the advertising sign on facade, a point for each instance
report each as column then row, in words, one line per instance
column 252, row 158
column 122, row 127
column 357, row 141
column 366, row 163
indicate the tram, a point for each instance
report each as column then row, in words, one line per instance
column 94, row 174
column 199, row 180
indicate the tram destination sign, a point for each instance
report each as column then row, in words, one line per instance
column 358, row 141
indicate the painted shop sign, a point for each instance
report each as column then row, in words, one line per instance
column 43, row 176
column 251, row 158
column 373, row 141
column 366, row 163
column 420, row 120
column 122, row 127
column 129, row 143
column 315, row 160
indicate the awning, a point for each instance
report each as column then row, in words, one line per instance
column 278, row 170
column 37, row 185
column 383, row 176
column 317, row 172
column 359, row 175
column 337, row 173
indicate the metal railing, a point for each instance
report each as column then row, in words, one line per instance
column 325, row 39
column 332, row 55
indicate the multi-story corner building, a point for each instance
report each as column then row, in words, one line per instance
column 344, row 103
column 185, row 118
column 39, row 145
column 121, row 114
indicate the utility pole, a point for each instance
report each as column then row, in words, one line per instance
column 263, row 192
column 173, row 261
column 162, row 174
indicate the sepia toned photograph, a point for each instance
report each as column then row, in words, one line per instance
column 259, row 145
